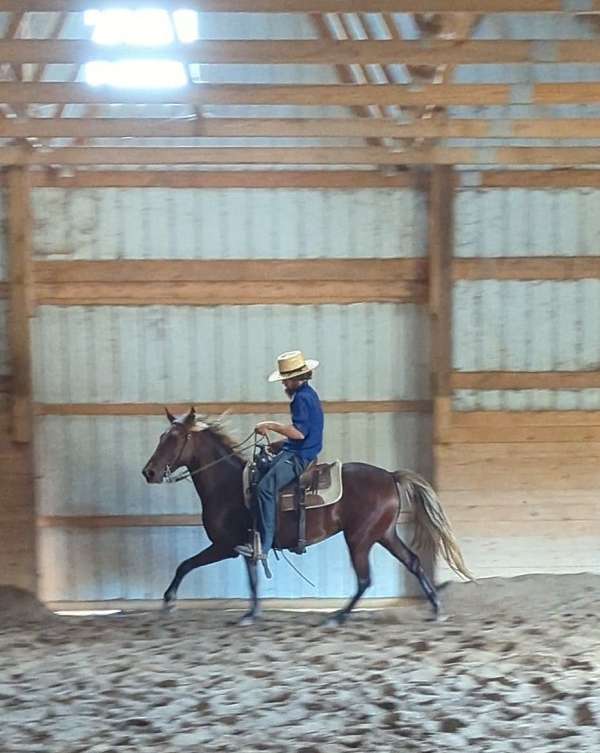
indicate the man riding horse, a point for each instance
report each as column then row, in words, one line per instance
column 304, row 441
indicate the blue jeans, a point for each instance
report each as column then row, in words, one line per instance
column 286, row 467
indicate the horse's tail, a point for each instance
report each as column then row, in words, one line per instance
column 433, row 532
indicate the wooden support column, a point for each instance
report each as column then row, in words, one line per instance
column 17, row 508
column 441, row 243
column 20, row 295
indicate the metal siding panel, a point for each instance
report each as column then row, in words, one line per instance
column 130, row 354
column 3, row 240
column 469, row 400
column 547, row 317
column 112, row 223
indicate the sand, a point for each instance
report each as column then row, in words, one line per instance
column 516, row 667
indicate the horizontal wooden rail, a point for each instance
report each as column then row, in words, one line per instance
column 237, row 409
column 316, row 281
column 527, row 268
column 309, row 179
column 313, row 51
column 556, row 178
column 318, row 155
column 339, row 179
column 519, row 419
column 525, row 380
column 318, row 6
column 135, row 521
column 472, row 128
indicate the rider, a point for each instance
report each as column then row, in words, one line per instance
column 304, row 440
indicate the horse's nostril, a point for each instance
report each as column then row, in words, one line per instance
column 148, row 473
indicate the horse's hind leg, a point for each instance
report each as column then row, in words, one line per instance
column 207, row 556
column 394, row 544
column 359, row 554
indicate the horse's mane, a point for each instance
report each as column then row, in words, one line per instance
column 217, row 429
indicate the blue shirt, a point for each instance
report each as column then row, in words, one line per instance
column 307, row 417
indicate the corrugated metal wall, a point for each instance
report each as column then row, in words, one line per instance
column 91, row 465
column 534, row 325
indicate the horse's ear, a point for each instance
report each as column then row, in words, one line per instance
column 170, row 416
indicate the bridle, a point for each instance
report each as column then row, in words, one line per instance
column 169, row 478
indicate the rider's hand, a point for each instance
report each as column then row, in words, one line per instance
column 262, row 428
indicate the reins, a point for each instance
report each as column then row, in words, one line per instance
column 171, row 479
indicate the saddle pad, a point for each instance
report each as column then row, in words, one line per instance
column 326, row 496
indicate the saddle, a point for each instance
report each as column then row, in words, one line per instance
column 319, row 486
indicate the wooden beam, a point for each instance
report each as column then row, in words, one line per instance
column 441, row 251
column 332, row 179
column 313, row 51
column 237, row 409
column 314, row 6
column 495, row 434
column 20, row 300
column 227, row 293
column 315, row 95
column 528, row 268
column 117, row 521
column 525, row 380
column 233, row 271
column 519, row 419
column 300, row 156
column 562, row 178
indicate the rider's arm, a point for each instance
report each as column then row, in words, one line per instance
column 287, row 430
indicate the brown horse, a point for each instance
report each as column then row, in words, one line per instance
column 366, row 513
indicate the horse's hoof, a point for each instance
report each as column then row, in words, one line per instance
column 248, row 620
column 438, row 616
column 335, row 620
column 169, row 605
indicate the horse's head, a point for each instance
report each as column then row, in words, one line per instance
column 174, row 446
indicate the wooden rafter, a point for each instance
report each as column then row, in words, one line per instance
column 326, row 51
column 323, row 6
column 316, row 95
column 475, row 128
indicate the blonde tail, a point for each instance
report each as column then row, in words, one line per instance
column 433, row 532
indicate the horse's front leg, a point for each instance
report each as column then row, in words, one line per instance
column 213, row 553
column 254, row 612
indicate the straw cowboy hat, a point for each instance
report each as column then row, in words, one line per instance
column 292, row 365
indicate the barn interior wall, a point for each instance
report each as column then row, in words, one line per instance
column 89, row 465
column 518, row 467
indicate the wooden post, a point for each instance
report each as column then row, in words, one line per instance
column 20, row 297
column 441, row 244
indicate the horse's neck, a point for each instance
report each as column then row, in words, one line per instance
column 212, row 478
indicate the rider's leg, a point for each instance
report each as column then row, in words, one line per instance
column 283, row 470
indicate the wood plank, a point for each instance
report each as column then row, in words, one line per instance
column 518, row 467
column 338, row 179
column 180, row 155
column 571, row 128
column 519, row 419
column 133, row 521
column 566, row 94
column 441, row 213
column 264, row 94
column 574, row 504
column 313, row 51
column 550, row 529
column 528, row 268
column 216, row 409
column 495, row 434
column 5, row 384
column 525, row 380
column 313, row 6
column 116, row 521
column 558, row 178
column 233, row 270
column 20, row 300
column 226, row 293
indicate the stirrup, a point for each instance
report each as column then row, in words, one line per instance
column 258, row 555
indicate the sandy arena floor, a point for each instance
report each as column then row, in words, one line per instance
column 515, row 668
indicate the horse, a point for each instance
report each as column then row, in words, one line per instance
column 366, row 513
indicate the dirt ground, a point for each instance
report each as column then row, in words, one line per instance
column 516, row 667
